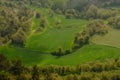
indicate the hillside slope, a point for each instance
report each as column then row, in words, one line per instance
column 88, row 53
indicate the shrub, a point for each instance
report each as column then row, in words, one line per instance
column 38, row 15
column 98, row 67
column 115, row 22
column 19, row 37
column 43, row 22
column 4, row 63
column 70, row 13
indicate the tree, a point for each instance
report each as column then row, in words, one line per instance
column 92, row 11
column 17, row 67
column 38, row 15
column 59, row 4
column 71, row 13
column 43, row 22
column 6, row 76
column 115, row 22
column 72, row 77
column 19, row 37
column 35, row 73
column 4, row 63
column 54, row 77
column 24, row 76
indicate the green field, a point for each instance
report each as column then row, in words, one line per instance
column 39, row 45
column 110, row 39
column 86, row 54
column 53, row 38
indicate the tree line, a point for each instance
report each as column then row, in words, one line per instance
column 15, row 22
column 16, row 70
column 77, row 8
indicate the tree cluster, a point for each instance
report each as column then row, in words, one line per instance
column 61, row 52
column 95, row 27
column 115, row 22
column 15, row 22
column 15, row 70
column 79, row 6
column 95, row 12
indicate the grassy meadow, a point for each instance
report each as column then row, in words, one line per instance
column 39, row 45
column 88, row 53
column 110, row 39
column 53, row 38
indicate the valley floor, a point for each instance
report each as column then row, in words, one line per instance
column 88, row 53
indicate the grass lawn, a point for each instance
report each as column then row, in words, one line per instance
column 39, row 45
column 88, row 53
column 53, row 38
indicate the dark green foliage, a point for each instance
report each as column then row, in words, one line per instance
column 19, row 37
column 24, row 76
column 15, row 22
column 43, row 22
column 71, row 13
column 93, row 28
column 17, row 67
column 35, row 73
column 98, row 67
column 59, row 52
column 115, row 77
column 88, row 71
column 6, row 76
column 72, row 77
column 38, row 15
column 4, row 63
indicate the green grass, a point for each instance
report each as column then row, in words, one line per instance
column 36, row 23
column 39, row 45
column 53, row 38
column 88, row 53
column 110, row 39
column 28, row 57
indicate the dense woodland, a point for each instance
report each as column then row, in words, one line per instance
column 16, row 16
column 15, row 27
column 16, row 19
column 15, row 22
column 15, row 70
